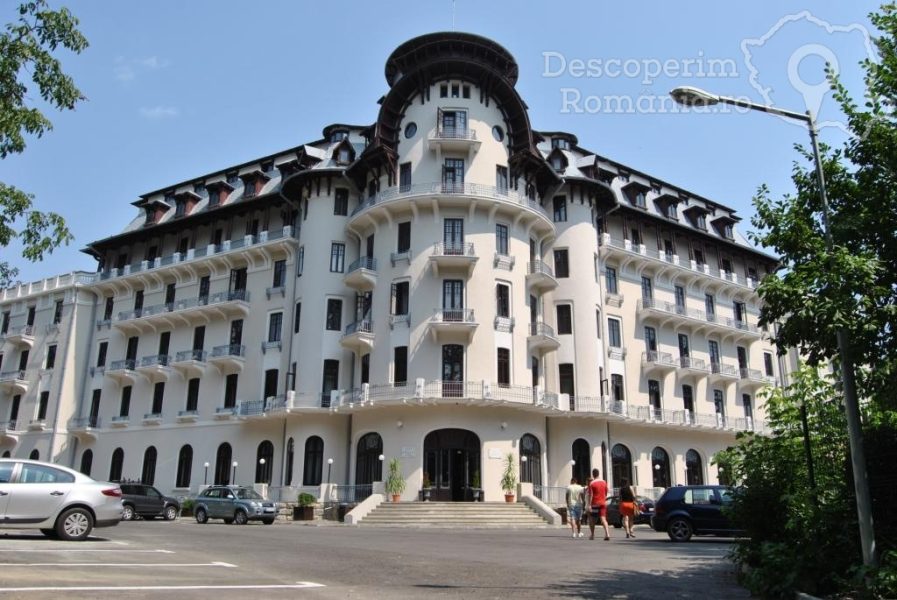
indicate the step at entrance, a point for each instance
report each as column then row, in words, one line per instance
column 474, row 515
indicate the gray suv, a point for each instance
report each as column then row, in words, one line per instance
column 233, row 504
column 141, row 500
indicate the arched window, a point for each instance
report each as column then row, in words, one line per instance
column 115, row 467
column 87, row 461
column 264, row 457
column 6, row 454
column 621, row 464
column 582, row 457
column 35, row 454
column 368, row 467
column 313, row 462
column 185, row 466
column 148, row 476
column 288, row 476
column 531, row 468
column 694, row 468
column 222, row 464
column 660, row 467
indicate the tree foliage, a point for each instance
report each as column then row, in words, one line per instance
column 27, row 63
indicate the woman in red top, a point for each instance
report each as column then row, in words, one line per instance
column 598, row 504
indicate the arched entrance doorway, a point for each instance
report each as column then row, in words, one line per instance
column 452, row 463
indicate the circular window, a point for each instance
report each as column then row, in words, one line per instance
column 410, row 129
column 498, row 133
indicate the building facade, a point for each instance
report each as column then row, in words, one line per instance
column 446, row 286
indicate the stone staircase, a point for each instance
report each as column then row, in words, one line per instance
column 462, row 515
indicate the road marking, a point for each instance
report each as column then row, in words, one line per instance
column 211, row 564
column 67, row 550
column 299, row 585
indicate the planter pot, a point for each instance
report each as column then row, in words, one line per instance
column 476, row 494
column 304, row 513
column 396, row 497
column 509, row 498
column 425, row 493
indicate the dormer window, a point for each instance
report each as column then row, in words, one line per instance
column 253, row 183
column 344, row 153
column 725, row 226
column 198, row 189
column 338, row 136
column 343, row 156
column 560, row 143
column 557, row 160
column 268, row 166
column 233, row 178
column 218, row 193
column 154, row 209
column 701, row 221
column 639, row 199
column 697, row 216
column 728, row 231
column 150, row 215
column 180, row 207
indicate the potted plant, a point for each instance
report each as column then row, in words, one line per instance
column 475, row 488
column 187, row 505
column 395, row 483
column 425, row 488
column 509, row 478
column 306, row 509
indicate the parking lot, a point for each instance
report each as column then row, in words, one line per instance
column 292, row 560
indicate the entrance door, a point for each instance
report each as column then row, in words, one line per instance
column 452, row 370
column 452, row 464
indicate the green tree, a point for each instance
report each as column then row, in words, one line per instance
column 27, row 47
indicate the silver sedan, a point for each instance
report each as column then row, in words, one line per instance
column 57, row 500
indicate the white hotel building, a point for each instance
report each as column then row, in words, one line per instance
column 446, row 286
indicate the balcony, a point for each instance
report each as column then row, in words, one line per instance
column 453, row 139
column 358, row 336
column 453, row 324
column 190, row 363
column 14, row 382
column 188, row 416
column 658, row 362
column 541, row 338
column 221, row 306
column 669, row 313
column 154, row 418
column 754, row 379
column 540, row 277
column 84, row 427
column 223, row 413
column 229, row 358
column 361, row 275
column 155, row 368
column 257, row 247
column 627, row 251
column 120, row 421
column 22, row 337
column 722, row 372
column 453, row 257
column 461, row 195
column 694, row 367
column 8, row 431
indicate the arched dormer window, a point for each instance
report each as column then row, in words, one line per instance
column 557, row 160
column 344, row 153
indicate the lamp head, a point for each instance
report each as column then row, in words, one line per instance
column 688, row 95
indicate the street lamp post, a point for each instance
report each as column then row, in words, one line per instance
column 692, row 96
column 205, row 477
column 233, row 478
column 329, row 467
column 263, row 474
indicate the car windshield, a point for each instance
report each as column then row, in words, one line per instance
column 247, row 494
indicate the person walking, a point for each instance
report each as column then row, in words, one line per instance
column 598, row 504
column 574, row 507
column 627, row 506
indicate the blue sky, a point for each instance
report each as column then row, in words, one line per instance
column 179, row 89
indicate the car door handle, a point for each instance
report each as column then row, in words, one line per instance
column 57, row 493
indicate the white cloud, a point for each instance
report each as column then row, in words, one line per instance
column 127, row 69
column 159, row 112
column 153, row 62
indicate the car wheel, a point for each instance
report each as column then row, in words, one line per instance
column 127, row 513
column 171, row 513
column 268, row 521
column 679, row 530
column 240, row 517
column 74, row 525
column 202, row 516
column 50, row 533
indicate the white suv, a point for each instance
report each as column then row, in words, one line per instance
column 57, row 500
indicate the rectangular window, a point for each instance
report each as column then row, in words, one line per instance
column 337, row 257
column 404, row 238
column 740, row 312
column 341, row 202
column 561, row 263
column 598, row 323
column 610, row 278
column 23, row 360
column 193, row 394
column 57, row 313
column 42, row 405
column 399, row 299
column 4, row 327
column 30, row 320
column 280, row 273
column 719, row 402
column 95, row 407
column 107, row 312
column 688, row 398
column 616, row 386
column 125, row 408
column 566, row 383
column 51, row 357
column 565, row 318
column 400, row 365
column 501, row 179
column 443, row 91
column 742, row 357
column 767, row 363
column 297, row 317
column 101, row 354
column 158, row 396
column 654, row 393
column 614, row 337
column 199, row 337
column 683, row 345
column 275, row 321
column 230, row 391
column 559, row 203
column 713, row 350
column 501, row 239
column 651, row 339
column 710, row 307
column 502, row 300
column 453, row 175
column 636, row 236
column 300, row 261
column 504, row 367
column 405, row 177
column 647, row 289
column 334, row 320
column 330, row 378
column 680, row 299
column 131, row 351
column 183, row 245
column 138, row 302
column 237, row 281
